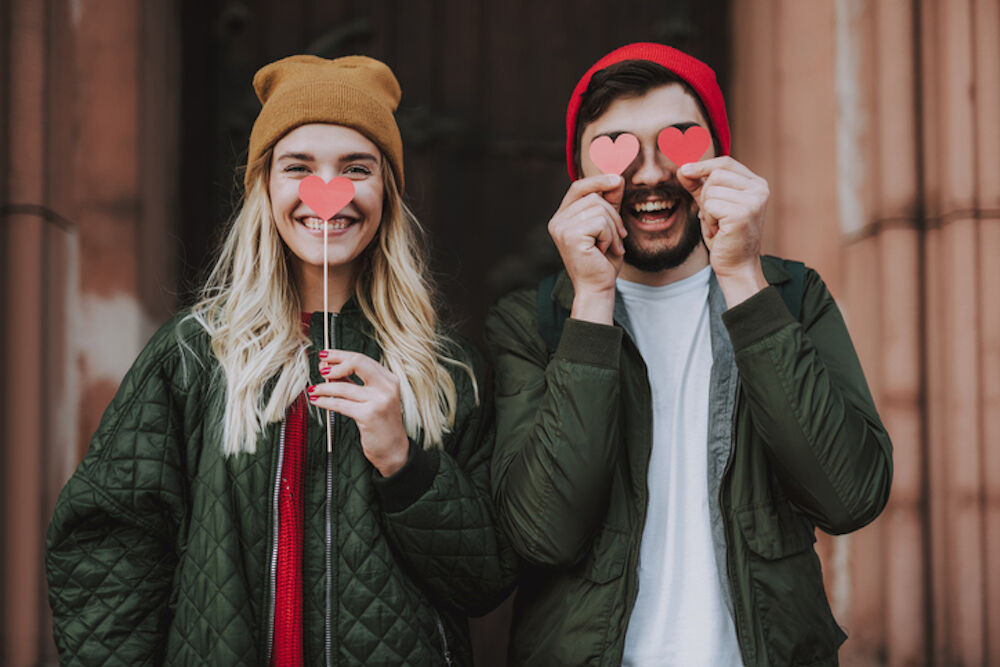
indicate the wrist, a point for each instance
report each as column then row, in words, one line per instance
column 597, row 306
column 391, row 462
column 740, row 285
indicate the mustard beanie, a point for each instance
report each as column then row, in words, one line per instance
column 355, row 91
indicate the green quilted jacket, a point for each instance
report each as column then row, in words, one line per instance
column 162, row 551
column 794, row 443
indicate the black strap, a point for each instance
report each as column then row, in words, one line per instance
column 551, row 316
column 792, row 291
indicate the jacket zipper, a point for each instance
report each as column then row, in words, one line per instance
column 444, row 639
column 737, row 606
column 328, row 556
column 274, row 547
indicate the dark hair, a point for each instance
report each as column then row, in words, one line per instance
column 629, row 78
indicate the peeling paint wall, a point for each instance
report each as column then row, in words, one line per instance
column 86, row 255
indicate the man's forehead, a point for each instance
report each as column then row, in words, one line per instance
column 663, row 106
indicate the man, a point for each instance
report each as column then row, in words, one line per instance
column 663, row 471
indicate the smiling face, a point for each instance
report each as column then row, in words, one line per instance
column 327, row 151
column 660, row 216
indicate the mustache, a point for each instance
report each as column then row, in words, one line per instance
column 667, row 190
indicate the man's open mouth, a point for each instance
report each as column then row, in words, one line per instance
column 653, row 211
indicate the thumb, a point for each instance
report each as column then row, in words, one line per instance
column 691, row 183
column 615, row 194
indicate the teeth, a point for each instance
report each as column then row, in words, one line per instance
column 650, row 206
column 316, row 223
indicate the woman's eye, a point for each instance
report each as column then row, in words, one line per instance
column 295, row 168
column 358, row 170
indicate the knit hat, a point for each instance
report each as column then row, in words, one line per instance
column 355, row 91
column 692, row 71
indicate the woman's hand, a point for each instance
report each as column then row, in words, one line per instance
column 374, row 405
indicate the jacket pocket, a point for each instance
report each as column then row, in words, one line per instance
column 775, row 531
column 786, row 587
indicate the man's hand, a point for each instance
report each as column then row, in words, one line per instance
column 731, row 199
column 588, row 232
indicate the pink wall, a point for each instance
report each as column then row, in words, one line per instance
column 876, row 125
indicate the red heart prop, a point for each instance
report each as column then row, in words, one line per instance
column 683, row 147
column 613, row 157
column 326, row 199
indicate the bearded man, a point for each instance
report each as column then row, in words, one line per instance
column 662, row 463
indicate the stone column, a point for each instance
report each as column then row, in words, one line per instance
column 90, row 113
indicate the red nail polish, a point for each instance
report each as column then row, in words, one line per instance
column 323, row 354
column 311, row 389
column 314, row 398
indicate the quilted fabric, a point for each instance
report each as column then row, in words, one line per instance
column 159, row 548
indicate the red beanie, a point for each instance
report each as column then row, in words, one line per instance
column 692, row 71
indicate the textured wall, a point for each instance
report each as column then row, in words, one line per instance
column 875, row 122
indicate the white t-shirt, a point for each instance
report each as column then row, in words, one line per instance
column 680, row 615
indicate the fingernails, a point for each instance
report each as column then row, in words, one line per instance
column 313, row 399
column 323, row 354
column 325, row 370
column 311, row 389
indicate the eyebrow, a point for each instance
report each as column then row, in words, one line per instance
column 614, row 134
column 351, row 157
column 684, row 125
column 296, row 156
column 308, row 157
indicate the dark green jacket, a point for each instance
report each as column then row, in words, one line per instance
column 161, row 550
column 794, row 442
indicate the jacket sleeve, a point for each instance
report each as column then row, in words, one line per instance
column 810, row 402
column 557, row 430
column 110, row 552
column 438, row 513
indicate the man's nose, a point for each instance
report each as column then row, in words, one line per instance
column 652, row 168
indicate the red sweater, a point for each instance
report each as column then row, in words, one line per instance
column 287, row 649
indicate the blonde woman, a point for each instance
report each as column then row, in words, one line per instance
column 254, row 496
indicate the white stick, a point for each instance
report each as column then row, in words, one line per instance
column 326, row 328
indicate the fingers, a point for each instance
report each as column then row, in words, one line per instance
column 589, row 220
column 696, row 170
column 344, row 389
column 342, row 364
column 719, row 209
column 592, row 202
column 695, row 177
column 592, row 185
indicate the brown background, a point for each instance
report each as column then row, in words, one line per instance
column 874, row 121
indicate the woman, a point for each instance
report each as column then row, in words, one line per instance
column 212, row 521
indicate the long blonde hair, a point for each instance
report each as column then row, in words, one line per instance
column 250, row 308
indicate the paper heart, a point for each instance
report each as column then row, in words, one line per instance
column 683, row 147
column 326, row 199
column 613, row 157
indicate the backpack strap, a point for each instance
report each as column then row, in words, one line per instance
column 551, row 316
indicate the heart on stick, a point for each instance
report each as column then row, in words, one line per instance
column 613, row 157
column 326, row 199
column 682, row 147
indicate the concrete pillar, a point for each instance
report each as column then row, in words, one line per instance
column 90, row 119
column 24, row 333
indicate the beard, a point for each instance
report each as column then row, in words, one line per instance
column 652, row 256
